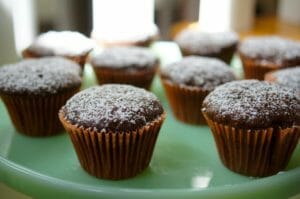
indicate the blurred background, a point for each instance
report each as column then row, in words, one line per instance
column 23, row 20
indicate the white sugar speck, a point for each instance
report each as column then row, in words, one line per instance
column 113, row 106
column 123, row 57
column 203, row 72
column 201, row 42
column 44, row 75
column 270, row 48
column 289, row 77
column 252, row 103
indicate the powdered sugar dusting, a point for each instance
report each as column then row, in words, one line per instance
column 124, row 57
column 38, row 76
column 63, row 43
column 289, row 77
column 203, row 72
column 113, row 107
column 253, row 104
column 204, row 43
column 271, row 48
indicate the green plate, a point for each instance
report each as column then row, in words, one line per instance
column 185, row 163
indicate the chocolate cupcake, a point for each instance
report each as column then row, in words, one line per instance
column 126, row 65
column 68, row 44
column 188, row 82
column 113, row 129
column 125, row 36
column 260, row 55
column 289, row 77
column 256, row 125
column 33, row 91
column 219, row 45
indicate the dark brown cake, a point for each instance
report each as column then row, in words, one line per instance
column 187, row 82
column 33, row 90
column 121, row 123
column 68, row 44
column 117, row 108
column 256, row 125
column 289, row 77
column 126, row 65
column 219, row 45
column 264, row 54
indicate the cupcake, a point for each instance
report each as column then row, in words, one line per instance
column 256, row 125
column 118, row 35
column 187, row 83
column 113, row 129
column 125, row 65
column 33, row 91
column 289, row 77
column 68, row 44
column 219, row 45
column 260, row 55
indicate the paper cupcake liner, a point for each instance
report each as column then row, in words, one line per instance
column 36, row 115
column 255, row 153
column 80, row 59
column 270, row 77
column 113, row 155
column 254, row 70
column 142, row 78
column 185, row 102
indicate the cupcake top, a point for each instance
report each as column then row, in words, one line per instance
column 205, row 43
column 203, row 72
column 289, row 77
column 253, row 104
column 131, row 33
column 113, row 107
column 270, row 48
column 39, row 76
column 63, row 43
column 125, row 57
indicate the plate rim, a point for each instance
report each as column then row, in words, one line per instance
column 7, row 166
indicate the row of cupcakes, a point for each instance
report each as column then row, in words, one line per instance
column 102, row 122
column 50, row 75
column 113, row 127
column 259, row 55
column 127, row 112
column 131, row 65
column 137, row 65
column 255, row 124
column 187, row 82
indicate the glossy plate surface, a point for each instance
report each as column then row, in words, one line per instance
column 185, row 163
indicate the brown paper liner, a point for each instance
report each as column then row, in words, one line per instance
column 225, row 54
column 185, row 102
column 80, row 59
column 142, row 78
column 113, row 155
column 270, row 77
column 256, row 153
column 36, row 115
column 254, row 70
column 257, row 69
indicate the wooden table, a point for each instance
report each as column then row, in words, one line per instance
column 270, row 25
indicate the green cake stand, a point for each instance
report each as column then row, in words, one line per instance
column 185, row 162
